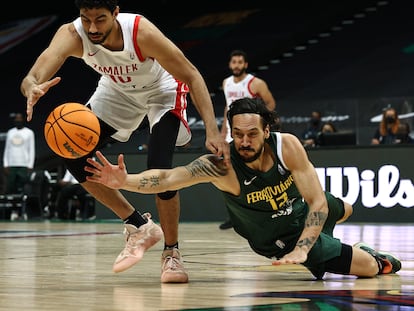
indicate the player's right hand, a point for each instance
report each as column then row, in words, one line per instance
column 106, row 173
column 37, row 91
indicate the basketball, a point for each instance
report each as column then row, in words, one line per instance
column 72, row 130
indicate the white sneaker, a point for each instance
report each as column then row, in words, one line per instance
column 138, row 240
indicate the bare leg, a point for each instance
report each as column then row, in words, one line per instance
column 363, row 264
column 169, row 213
column 111, row 198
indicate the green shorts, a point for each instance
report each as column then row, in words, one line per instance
column 326, row 247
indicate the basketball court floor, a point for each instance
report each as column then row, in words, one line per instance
column 67, row 266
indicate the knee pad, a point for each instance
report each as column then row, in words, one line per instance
column 167, row 195
column 342, row 263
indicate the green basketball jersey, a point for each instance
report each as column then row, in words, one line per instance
column 270, row 212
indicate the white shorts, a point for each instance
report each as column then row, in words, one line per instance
column 125, row 110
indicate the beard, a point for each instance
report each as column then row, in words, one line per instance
column 250, row 158
column 238, row 73
column 98, row 37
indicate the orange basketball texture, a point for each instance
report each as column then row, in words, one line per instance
column 72, row 130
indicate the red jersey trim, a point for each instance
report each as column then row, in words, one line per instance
column 135, row 38
column 181, row 103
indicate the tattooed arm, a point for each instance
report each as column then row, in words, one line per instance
column 306, row 179
column 206, row 168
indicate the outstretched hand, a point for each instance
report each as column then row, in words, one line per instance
column 297, row 256
column 105, row 173
column 37, row 91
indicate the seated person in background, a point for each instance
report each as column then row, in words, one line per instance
column 310, row 135
column 328, row 127
column 403, row 134
column 386, row 133
column 69, row 187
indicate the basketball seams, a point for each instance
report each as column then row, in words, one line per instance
column 82, row 109
column 66, row 135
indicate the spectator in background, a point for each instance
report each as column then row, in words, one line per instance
column 403, row 134
column 386, row 133
column 328, row 127
column 238, row 85
column 19, row 155
column 18, row 158
column 309, row 137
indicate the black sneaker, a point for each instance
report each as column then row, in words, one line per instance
column 226, row 225
column 390, row 263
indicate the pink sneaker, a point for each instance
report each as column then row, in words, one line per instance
column 172, row 268
column 138, row 240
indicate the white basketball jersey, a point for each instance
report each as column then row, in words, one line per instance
column 130, row 86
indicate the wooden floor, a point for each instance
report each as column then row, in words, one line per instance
column 67, row 266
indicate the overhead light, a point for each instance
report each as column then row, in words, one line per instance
column 359, row 15
column 324, row 34
column 274, row 61
column 300, row 48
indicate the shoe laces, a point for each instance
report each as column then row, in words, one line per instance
column 135, row 239
column 171, row 262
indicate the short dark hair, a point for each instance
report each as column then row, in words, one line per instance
column 239, row 53
column 97, row 4
column 252, row 105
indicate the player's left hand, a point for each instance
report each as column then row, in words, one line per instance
column 297, row 256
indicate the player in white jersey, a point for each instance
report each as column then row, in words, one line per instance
column 239, row 85
column 242, row 84
column 143, row 74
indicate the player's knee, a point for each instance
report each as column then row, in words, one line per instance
column 167, row 195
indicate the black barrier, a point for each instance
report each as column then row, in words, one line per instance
column 376, row 180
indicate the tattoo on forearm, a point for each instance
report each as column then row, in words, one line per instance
column 307, row 242
column 316, row 219
column 146, row 182
column 214, row 167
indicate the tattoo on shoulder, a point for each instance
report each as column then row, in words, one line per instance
column 213, row 167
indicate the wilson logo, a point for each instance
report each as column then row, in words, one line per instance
column 383, row 188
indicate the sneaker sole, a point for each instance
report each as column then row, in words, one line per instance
column 130, row 260
column 174, row 278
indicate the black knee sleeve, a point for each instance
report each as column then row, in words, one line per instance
column 167, row 195
column 342, row 263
